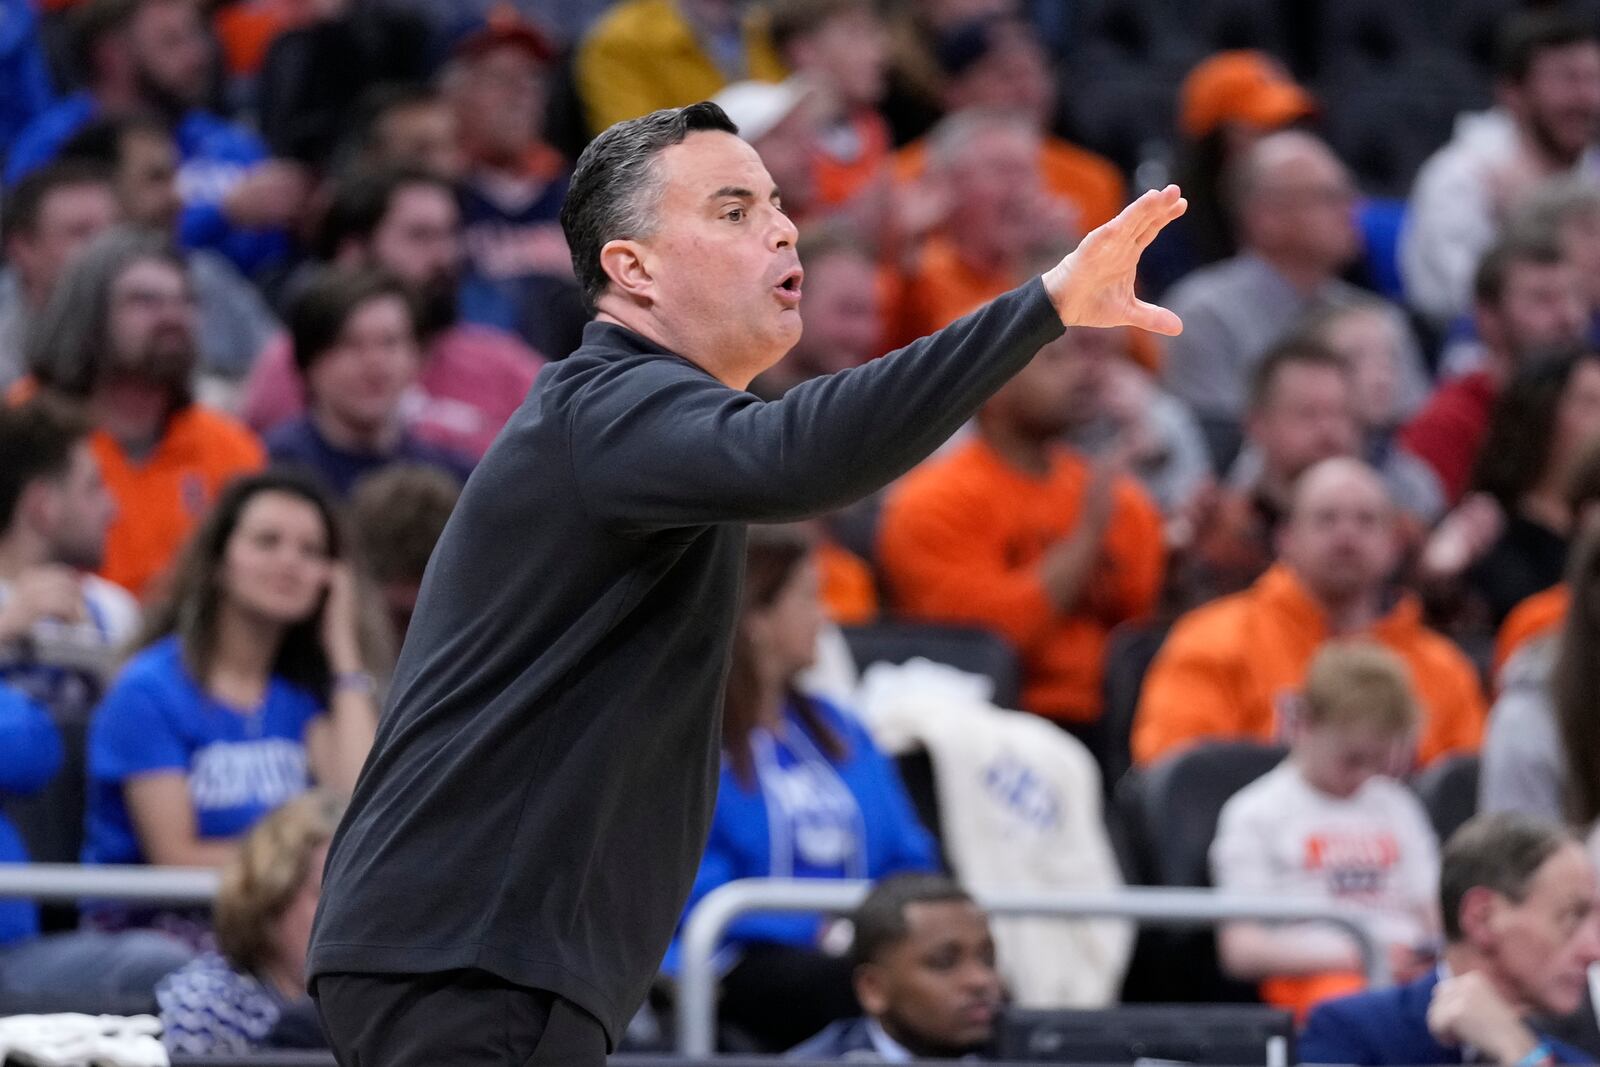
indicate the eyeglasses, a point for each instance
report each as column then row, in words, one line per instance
column 148, row 299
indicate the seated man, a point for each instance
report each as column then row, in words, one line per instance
column 61, row 627
column 1329, row 824
column 1225, row 668
column 49, row 216
column 407, row 223
column 1014, row 531
column 118, row 336
column 924, row 974
column 355, row 342
column 1518, row 899
column 1293, row 201
column 1299, row 414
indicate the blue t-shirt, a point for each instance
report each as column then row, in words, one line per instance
column 30, row 755
column 299, row 444
column 808, row 816
column 240, row 764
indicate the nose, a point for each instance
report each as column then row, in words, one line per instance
column 784, row 232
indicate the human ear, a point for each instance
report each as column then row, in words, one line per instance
column 625, row 263
column 1480, row 915
column 871, row 990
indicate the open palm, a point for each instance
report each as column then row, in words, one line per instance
column 1093, row 285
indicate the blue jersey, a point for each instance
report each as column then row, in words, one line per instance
column 240, row 763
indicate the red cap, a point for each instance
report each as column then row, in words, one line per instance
column 504, row 27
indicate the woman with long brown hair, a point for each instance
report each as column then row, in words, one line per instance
column 804, row 794
column 254, row 680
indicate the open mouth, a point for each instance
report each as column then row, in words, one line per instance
column 789, row 286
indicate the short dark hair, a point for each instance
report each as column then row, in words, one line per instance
column 398, row 515
column 1524, row 35
column 1510, row 249
column 37, row 439
column 102, row 141
column 614, row 186
column 880, row 921
column 362, row 200
column 1297, row 351
column 24, row 205
column 790, row 20
column 1502, row 852
column 319, row 313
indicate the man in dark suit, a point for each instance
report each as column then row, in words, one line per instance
column 1521, row 931
column 924, row 974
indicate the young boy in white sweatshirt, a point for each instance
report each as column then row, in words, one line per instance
column 1331, row 824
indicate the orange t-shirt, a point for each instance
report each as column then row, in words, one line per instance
column 1226, row 665
column 1091, row 183
column 960, row 541
column 162, row 497
column 1536, row 616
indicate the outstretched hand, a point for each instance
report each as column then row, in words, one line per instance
column 1093, row 285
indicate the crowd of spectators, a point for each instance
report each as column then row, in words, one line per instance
column 274, row 275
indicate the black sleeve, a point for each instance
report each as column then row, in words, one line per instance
column 686, row 450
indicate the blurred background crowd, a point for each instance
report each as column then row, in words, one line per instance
column 274, row 274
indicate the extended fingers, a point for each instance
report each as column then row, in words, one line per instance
column 1167, row 206
column 1154, row 318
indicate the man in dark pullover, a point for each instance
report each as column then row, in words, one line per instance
column 527, row 828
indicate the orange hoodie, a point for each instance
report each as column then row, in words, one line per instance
column 1534, row 617
column 960, row 542
column 1225, row 666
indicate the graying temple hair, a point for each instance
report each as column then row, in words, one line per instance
column 616, row 188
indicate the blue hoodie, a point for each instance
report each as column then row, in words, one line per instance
column 806, row 816
column 215, row 154
column 30, row 755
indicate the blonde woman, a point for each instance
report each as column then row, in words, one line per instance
column 251, row 993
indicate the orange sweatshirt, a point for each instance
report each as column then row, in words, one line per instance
column 961, row 540
column 161, row 498
column 1536, row 616
column 1225, row 666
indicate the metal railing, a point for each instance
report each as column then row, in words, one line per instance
column 722, row 907
column 1165, row 907
column 68, row 882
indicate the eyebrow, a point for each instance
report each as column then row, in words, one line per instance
column 738, row 192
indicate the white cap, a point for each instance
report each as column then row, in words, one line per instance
column 756, row 107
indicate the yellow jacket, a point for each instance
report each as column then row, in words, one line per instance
column 643, row 56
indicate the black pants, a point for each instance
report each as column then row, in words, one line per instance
column 453, row 1017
